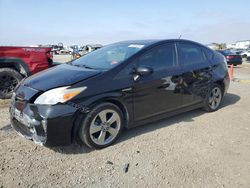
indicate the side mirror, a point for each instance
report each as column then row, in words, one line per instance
column 142, row 71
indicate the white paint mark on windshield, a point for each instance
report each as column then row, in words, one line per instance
column 136, row 46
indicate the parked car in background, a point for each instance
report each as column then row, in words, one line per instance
column 237, row 51
column 56, row 48
column 125, row 84
column 17, row 63
column 64, row 51
column 231, row 57
column 246, row 54
column 90, row 48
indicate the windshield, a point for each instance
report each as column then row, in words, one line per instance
column 109, row 56
column 228, row 52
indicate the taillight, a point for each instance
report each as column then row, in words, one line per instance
column 229, row 56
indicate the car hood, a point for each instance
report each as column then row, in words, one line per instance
column 58, row 76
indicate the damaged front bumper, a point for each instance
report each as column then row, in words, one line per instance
column 45, row 125
column 27, row 127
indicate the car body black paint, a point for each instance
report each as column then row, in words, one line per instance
column 179, row 89
column 58, row 76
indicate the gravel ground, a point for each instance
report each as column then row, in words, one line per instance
column 195, row 149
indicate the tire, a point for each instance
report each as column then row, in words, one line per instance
column 9, row 79
column 95, row 132
column 213, row 99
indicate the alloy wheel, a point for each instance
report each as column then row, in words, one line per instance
column 7, row 83
column 215, row 98
column 105, row 127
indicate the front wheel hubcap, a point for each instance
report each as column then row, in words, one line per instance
column 215, row 98
column 105, row 127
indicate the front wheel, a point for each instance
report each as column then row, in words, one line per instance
column 213, row 99
column 102, row 126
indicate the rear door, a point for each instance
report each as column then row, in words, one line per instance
column 197, row 72
column 155, row 93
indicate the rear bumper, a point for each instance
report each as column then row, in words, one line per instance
column 45, row 125
column 234, row 62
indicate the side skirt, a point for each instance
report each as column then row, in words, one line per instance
column 164, row 115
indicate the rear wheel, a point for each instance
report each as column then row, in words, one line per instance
column 9, row 78
column 102, row 126
column 214, row 98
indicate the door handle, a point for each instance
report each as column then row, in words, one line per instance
column 127, row 89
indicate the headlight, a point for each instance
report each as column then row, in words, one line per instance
column 61, row 94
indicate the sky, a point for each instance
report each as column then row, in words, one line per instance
column 27, row 22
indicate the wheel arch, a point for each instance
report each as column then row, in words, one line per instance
column 80, row 116
column 222, row 84
column 120, row 105
column 116, row 102
column 16, row 64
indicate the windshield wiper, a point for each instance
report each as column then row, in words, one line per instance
column 85, row 66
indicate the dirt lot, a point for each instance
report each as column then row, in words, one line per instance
column 62, row 58
column 195, row 149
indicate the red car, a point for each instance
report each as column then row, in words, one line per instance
column 19, row 62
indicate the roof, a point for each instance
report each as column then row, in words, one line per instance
column 153, row 41
column 144, row 42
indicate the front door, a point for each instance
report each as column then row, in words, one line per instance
column 156, row 93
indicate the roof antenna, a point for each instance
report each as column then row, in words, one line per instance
column 179, row 36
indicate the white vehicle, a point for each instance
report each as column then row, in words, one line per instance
column 245, row 54
column 64, row 51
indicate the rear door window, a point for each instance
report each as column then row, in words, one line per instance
column 190, row 54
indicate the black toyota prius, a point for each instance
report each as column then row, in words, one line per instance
column 122, row 85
